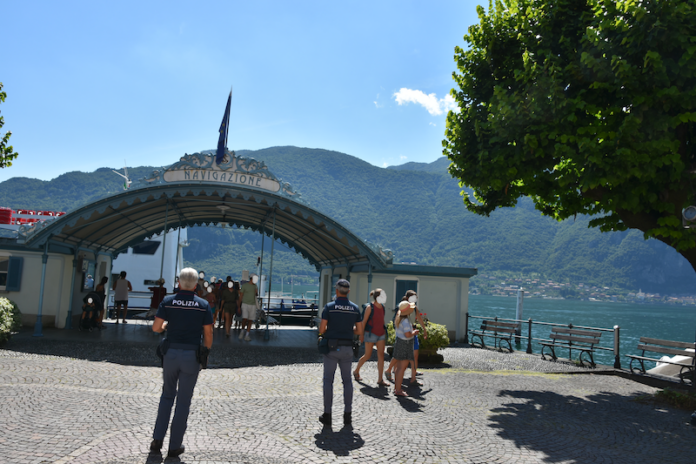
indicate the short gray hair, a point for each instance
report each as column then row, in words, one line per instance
column 188, row 278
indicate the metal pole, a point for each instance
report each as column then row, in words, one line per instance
column 176, row 263
column 617, row 340
column 68, row 320
column 369, row 281
column 267, row 335
column 466, row 328
column 518, row 314
column 529, row 337
column 164, row 240
column 38, row 326
column 263, row 236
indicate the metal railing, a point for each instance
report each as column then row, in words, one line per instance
column 616, row 331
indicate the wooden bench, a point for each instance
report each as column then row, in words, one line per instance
column 572, row 339
column 654, row 345
column 499, row 331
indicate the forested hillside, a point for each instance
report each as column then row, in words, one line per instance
column 415, row 210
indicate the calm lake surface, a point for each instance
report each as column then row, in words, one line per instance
column 635, row 320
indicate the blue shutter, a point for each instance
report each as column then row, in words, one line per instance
column 14, row 274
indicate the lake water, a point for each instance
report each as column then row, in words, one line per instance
column 635, row 320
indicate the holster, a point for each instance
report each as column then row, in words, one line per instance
column 162, row 348
column 202, row 354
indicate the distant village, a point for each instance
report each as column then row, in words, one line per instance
column 548, row 289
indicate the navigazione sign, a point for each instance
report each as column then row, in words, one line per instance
column 234, row 170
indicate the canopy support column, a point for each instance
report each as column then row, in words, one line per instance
column 369, row 281
column 38, row 326
column 164, row 240
column 267, row 335
column 68, row 320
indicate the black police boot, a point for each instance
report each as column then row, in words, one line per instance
column 156, row 446
column 347, row 418
column 176, row 452
column 325, row 419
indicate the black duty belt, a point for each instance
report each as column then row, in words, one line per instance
column 183, row 346
column 344, row 342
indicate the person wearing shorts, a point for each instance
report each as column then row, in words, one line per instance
column 248, row 294
column 121, row 289
column 374, row 333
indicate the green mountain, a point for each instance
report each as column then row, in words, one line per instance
column 415, row 210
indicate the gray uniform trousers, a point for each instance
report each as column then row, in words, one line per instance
column 343, row 357
column 180, row 366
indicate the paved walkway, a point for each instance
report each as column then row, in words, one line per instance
column 263, row 408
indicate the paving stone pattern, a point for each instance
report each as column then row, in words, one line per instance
column 481, row 407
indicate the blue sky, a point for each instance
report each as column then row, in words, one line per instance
column 91, row 84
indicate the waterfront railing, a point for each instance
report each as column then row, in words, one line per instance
column 528, row 328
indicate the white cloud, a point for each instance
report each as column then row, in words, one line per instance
column 430, row 102
column 384, row 165
column 432, row 124
column 402, row 157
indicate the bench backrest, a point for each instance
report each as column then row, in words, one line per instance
column 653, row 345
column 503, row 327
column 589, row 337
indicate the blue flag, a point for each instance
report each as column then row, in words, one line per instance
column 224, row 127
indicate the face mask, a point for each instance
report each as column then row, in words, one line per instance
column 413, row 299
column 382, row 298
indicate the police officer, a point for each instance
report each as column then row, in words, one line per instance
column 340, row 319
column 186, row 317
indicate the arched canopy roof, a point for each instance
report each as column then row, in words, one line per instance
column 114, row 223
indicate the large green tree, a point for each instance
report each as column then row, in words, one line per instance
column 7, row 153
column 585, row 106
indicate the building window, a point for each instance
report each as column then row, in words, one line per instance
column 146, row 248
column 4, row 268
column 402, row 286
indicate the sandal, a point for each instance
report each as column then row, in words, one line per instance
column 400, row 393
column 416, row 382
column 388, row 375
column 382, row 383
column 356, row 376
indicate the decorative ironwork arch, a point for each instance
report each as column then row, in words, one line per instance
column 114, row 223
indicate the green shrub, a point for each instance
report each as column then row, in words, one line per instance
column 10, row 319
column 438, row 336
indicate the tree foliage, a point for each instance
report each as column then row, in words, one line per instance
column 586, row 107
column 7, row 153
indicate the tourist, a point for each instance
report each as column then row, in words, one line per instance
column 248, row 294
column 185, row 317
column 121, row 289
column 374, row 332
column 411, row 297
column 340, row 319
column 158, row 294
column 403, row 346
column 229, row 303
column 101, row 291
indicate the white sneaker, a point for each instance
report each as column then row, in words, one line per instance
column 247, row 338
column 241, row 334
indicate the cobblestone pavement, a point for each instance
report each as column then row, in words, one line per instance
column 66, row 410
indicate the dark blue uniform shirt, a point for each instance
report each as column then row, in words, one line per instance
column 341, row 315
column 186, row 315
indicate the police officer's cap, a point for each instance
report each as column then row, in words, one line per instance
column 343, row 283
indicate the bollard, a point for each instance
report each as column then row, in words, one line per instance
column 466, row 329
column 529, row 337
column 617, row 339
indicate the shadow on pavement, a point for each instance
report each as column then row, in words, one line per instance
column 143, row 354
column 340, row 443
column 574, row 429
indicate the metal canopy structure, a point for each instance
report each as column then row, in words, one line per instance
column 113, row 224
